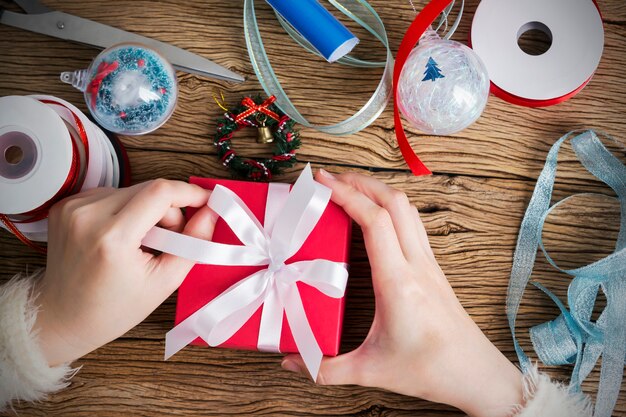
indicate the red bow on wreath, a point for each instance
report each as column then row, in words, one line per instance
column 103, row 70
column 256, row 108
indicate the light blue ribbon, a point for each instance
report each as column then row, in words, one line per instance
column 361, row 12
column 573, row 337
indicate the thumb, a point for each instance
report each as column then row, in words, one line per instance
column 173, row 268
column 339, row 370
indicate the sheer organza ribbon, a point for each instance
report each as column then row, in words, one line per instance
column 573, row 337
column 289, row 219
column 359, row 11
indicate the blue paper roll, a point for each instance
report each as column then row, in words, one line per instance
column 327, row 34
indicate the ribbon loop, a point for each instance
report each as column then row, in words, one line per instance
column 309, row 199
column 238, row 216
column 362, row 13
column 257, row 108
column 572, row 337
column 553, row 342
column 274, row 287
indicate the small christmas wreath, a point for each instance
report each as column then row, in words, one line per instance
column 263, row 115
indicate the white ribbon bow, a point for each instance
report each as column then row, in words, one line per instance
column 289, row 219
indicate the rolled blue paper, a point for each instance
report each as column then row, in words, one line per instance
column 327, row 34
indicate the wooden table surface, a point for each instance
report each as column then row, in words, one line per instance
column 472, row 206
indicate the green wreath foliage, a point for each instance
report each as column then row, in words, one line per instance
column 286, row 142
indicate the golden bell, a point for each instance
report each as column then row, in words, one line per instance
column 264, row 134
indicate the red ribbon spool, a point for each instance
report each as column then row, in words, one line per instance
column 526, row 102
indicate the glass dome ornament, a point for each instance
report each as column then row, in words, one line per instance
column 443, row 87
column 129, row 89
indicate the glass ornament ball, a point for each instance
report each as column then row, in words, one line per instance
column 129, row 88
column 443, row 87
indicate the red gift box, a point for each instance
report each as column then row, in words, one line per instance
column 330, row 240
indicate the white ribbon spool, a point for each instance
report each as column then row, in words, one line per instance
column 46, row 154
column 44, row 132
column 575, row 27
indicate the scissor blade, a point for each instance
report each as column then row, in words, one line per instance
column 73, row 28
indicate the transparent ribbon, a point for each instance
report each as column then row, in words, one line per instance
column 289, row 219
column 573, row 337
column 359, row 11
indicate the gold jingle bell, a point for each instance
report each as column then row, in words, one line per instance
column 264, row 133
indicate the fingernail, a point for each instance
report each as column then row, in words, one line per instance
column 326, row 174
column 290, row 366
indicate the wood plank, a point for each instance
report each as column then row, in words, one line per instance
column 506, row 142
column 216, row 383
column 472, row 224
column 471, row 209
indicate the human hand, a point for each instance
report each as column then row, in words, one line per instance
column 422, row 342
column 99, row 283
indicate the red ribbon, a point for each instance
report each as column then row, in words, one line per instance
column 256, row 108
column 421, row 23
column 9, row 224
column 103, row 70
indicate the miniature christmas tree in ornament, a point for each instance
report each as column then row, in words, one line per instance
column 441, row 104
column 129, row 89
column 432, row 71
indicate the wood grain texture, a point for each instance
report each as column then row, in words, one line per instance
column 472, row 207
column 327, row 93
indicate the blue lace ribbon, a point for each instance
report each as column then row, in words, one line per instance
column 573, row 337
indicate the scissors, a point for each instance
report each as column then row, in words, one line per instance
column 41, row 19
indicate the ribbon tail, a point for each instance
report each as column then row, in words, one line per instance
column 410, row 157
column 299, row 216
column 271, row 322
column 301, row 330
column 326, row 276
column 277, row 195
column 202, row 251
column 179, row 337
column 218, row 320
column 612, row 369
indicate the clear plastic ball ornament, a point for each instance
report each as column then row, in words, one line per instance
column 443, row 86
column 129, row 88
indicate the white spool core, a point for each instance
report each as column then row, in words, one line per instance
column 528, row 29
column 19, row 154
column 13, row 154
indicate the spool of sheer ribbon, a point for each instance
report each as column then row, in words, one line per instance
column 359, row 11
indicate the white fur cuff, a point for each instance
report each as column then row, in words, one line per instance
column 545, row 397
column 24, row 372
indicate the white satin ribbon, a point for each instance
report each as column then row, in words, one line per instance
column 289, row 219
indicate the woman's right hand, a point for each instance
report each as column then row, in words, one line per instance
column 99, row 282
column 422, row 342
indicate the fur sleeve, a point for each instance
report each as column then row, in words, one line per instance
column 544, row 397
column 24, row 372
